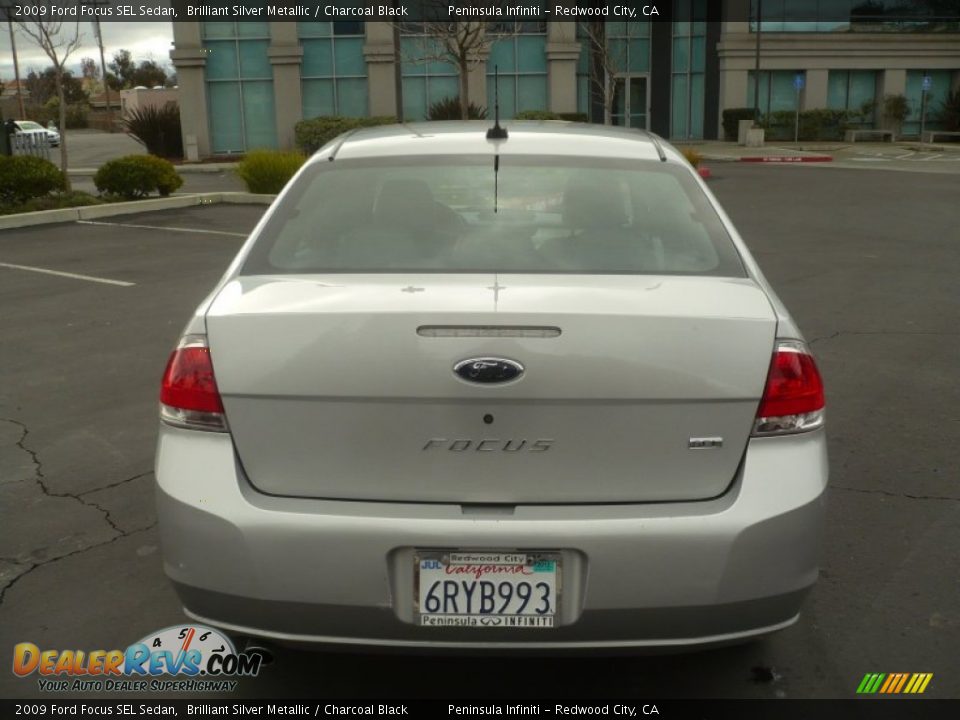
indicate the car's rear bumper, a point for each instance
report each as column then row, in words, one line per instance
column 667, row 575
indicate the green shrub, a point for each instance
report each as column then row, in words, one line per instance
column 550, row 115
column 896, row 108
column 23, row 177
column 50, row 111
column 731, row 121
column 311, row 135
column 267, row 171
column 157, row 129
column 449, row 109
column 818, row 124
column 692, row 156
column 51, row 202
column 136, row 176
column 949, row 114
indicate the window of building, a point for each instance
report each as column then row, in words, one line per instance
column 854, row 91
column 939, row 89
column 427, row 77
column 856, row 16
column 520, row 57
column 620, row 47
column 777, row 90
column 239, row 86
column 334, row 71
column 688, row 68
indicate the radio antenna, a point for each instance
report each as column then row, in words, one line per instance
column 496, row 132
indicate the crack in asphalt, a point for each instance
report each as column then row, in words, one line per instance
column 34, row 566
column 40, row 479
column 838, row 333
column 116, row 484
column 896, row 495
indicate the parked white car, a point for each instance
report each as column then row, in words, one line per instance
column 493, row 393
column 29, row 126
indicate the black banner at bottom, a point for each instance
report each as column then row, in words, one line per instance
column 338, row 708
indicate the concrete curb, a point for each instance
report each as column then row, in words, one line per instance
column 199, row 168
column 94, row 212
column 787, row 158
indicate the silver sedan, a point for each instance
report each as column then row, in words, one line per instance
column 471, row 392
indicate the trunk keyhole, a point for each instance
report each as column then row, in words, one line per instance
column 488, row 419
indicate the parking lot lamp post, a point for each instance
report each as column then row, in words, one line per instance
column 16, row 68
column 103, row 63
column 756, row 69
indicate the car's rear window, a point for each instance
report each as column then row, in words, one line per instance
column 520, row 214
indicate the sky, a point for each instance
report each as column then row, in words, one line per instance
column 144, row 40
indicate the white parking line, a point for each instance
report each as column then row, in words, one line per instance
column 75, row 276
column 161, row 227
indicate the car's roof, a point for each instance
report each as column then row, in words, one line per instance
column 524, row 138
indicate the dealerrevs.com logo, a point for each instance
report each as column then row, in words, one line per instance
column 200, row 658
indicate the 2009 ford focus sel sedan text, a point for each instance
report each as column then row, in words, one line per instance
column 461, row 391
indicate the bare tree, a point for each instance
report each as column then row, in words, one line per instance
column 606, row 59
column 462, row 45
column 89, row 69
column 58, row 43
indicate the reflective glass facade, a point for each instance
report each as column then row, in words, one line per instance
column 857, row 15
column 688, row 68
column 777, row 91
column 854, row 91
column 239, row 86
column 520, row 57
column 334, row 71
column 427, row 79
column 620, row 47
column 939, row 89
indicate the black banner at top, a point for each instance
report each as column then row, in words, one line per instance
column 353, row 10
column 777, row 15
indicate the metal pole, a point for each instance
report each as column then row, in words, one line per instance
column 796, row 121
column 923, row 112
column 16, row 70
column 397, row 68
column 103, row 73
column 756, row 71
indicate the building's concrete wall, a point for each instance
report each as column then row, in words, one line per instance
column 380, row 55
column 189, row 59
column 286, row 55
column 140, row 98
column 814, row 53
column 563, row 53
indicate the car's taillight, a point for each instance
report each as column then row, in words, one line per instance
column 189, row 397
column 793, row 396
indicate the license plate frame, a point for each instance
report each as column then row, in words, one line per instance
column 535, row 566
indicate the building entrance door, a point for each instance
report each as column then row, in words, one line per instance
column 631, row 101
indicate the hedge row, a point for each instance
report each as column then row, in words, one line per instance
column 311, row 135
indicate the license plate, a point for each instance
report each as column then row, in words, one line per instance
column 487, row 589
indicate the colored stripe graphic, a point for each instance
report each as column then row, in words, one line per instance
column 894, row 683
column 891, row 682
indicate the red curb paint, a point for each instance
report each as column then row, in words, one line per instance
column 704, row 172
column 787, row 158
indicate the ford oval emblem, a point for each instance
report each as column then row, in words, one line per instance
column 488, row 370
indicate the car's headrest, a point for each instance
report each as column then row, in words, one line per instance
column 404, row 201
column 588, row 206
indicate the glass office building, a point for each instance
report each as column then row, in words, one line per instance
column 245, row 85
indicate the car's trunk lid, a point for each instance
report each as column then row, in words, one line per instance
column 342, row 386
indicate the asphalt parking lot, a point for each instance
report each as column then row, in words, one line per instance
column 868, row 263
